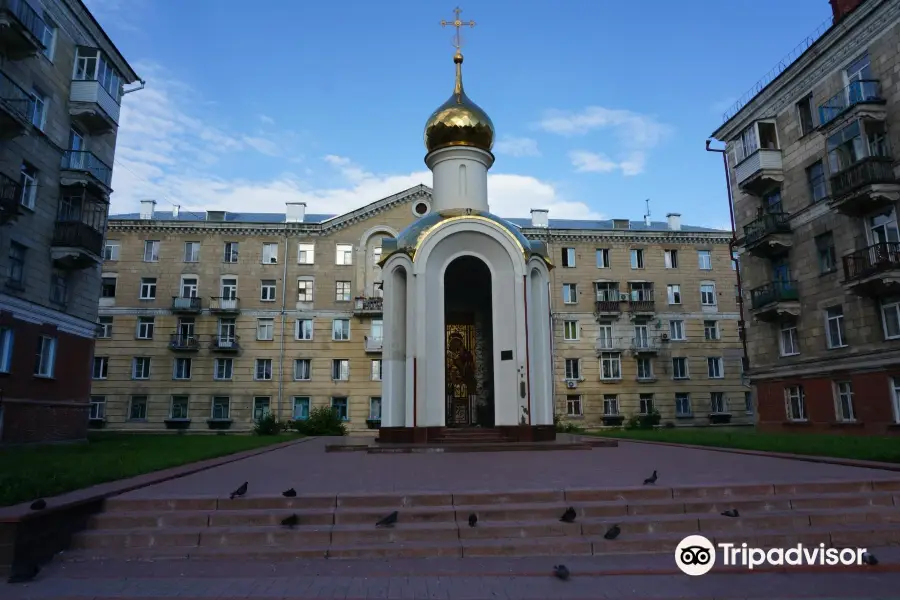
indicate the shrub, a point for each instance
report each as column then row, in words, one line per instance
column 268, row 425
column 565, row 426
column 323, row 420
column 647, row 421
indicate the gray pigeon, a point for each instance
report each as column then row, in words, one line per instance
column 612, row 533
column 651, row 480
column 569, row 515
column 291, row 521
column 731, row 513
column 869, row 559
column 240, row 491
column 561, row 572
column 389, row 520
column 473, row 519
column 39, row 504
column 291, row 493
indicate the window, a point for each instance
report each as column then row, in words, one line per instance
column 301, row 408
column 145, row 327
column 835, row 335
column 105, row 329
column 140, row 367
column 221, row 408
column 790, row 341
column 48, row 37
column 683, row 405
column 191, row 252
column 224, row 367
column 28, row 178
column 148, row 288
column 610, row 404
column 673, row 292
column 671, row 259
column 735, row 260
column 573, row 368
column 178, row 409
column 270, row 254
column 375, row 408
column 843, row 401
column 570, row 293
column 644, row 368
column 826, row 253
column 112, row 250
column 306, row 254
column 680, row 368
column 262, row 370
column 226, row 333
column 342, row 291
column 137, row 409
column 304, row 290
column 182, row 368
column 568, row 257
column 708, row 294
column 714, row 367
column 895, row 397
column 711, row 330
column 92, row 65
column 339, row 406
column 340, row 330
column 795, row 403
column 676, row 330
column 376, row 369
column 704, row 260
column 228, row 288
column 302, row 369
column 6, row 349
column 108, row 287
column 574, row 407
column 340, row 369
column 39, row 102
column 607, row 292
column 815, row 179
column 15, row 270
column 98, row 408
column 267, row 290
column 570, row 330
column 151, row 251
column 851, row 145
column 605, row 336
column 343, row 254
column 304, row 329
column 602, row 258
column 261, row 407
column 231, row 252
column 748, row 403
column 101, row 367
column 637, row 258
column 805, row 115
column 610, row 365
column 646, row 404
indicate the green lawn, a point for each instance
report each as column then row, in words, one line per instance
column 877, row 448
column 44, row 471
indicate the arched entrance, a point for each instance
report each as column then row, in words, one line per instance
column 468, row 344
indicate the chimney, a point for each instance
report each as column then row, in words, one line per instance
column 295, row 212
column 175, row 211
column 674, row 220
column 147, row 209
column 539, row 218
column 647, row 220
column 842, row 8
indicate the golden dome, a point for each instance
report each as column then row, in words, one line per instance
column 459, row 121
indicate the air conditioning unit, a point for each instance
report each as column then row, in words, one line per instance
column 571, row 384
column 664, row 337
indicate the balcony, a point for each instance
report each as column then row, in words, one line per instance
column 225, row 343
column 374, row 344
column 865, row 187
column 15, row 108
column 186, row 305
column 760, row 171
column 860, row 99
column 75, row 245
column 641, row 303
column 368, row 305
column 608, row 308
column 10, row 196
column 873, row 271
column 222, row 305
column 608, row 344
column 82, row 168
column 92, row 107
column 769, row 234
column 21, row 30
column 180, row 342
column 645, row 345
column 775, row 301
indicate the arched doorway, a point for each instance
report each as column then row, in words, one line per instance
column 468, row 344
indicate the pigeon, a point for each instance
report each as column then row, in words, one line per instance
column 473, row 519
column 389, row 520
column 561, row 572
column 568, row 516
column 869, row 559
column 24, row 575
column 731, row 513
column 612, row 533
column 291, row 521
column 240, row 491
column 650, row 480
column 291, row 493
column 39, row 504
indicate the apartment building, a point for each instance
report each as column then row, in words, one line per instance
column 209, row 321
column 61, row 86
column 812, row 168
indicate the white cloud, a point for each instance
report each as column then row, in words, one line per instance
column 592, row 162
column 266, row 119
column 517, row 146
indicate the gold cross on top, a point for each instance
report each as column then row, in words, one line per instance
column 458, row 24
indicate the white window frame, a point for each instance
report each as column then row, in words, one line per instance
column 262, row 406
column 375, row 401
column 711, row 333
column 268, row 290
column 715, row 367
column 377, row 369
column 685, row 398
column 673, row 293
column 148, row 288
column 838, row 320
column 843, row 392
column 791, row 393
column 298, row 369
column 718, row 403
column 647, row 368
column 614, row 362
column 568, row 257
column 306, row 254
column 343, row 291
column 704, row 260
column 309, row 289
column 28, row 177
column 341, row 368
column 611, row 406
column 671, row 258
column 708, row 294
column 570, row 293
column 100, row 368
column 888, row 307
column 602, row 258
column 191, row 252
column 225, row 366
column 345, row 402
column 146, row 327
column 230, row 252
column 683, row 360
column 570, row 331
column 40, row 104
column 265, row 329
column 637, row 258
column 111, row 250
column 177, row 400
column 143, row 402
column 339, row 336
column 676, row 330
column 343, row 255
column 223, row 415
column 98, row 408
column 894, row 383
column 270, row 253
column 141, row 373
column 572, row 369
column 299, row 330
column 574, row 405
column 151, row 251
column 605, row 340
column 262, row 369
column 792, row 336
column 186, row 368
column 300, row 401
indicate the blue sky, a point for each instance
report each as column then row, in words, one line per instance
column 597, row 104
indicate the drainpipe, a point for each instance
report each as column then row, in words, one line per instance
column 284, row 237
column 550, row 277
column 731, row 246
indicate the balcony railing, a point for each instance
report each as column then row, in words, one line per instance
column 368, row 304
column 14, row 97
column 75, row 234
column 774, row 291
column 641, row 300
column 875, row 259
column 225, row 342
column 27, row 16
column 186, row 304
column 608, row 306
column 771, row 221
column 221, row 304
column 374, row 344
column 607, row 343
column 868, row 171
column 858, row 92
column 81, row 160
column 645, row 344
column 180, row 341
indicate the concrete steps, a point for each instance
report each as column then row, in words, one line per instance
column 652, row 519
